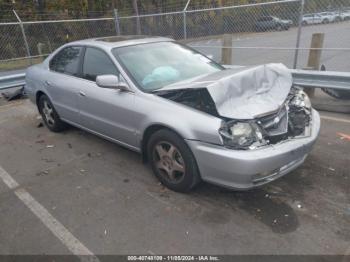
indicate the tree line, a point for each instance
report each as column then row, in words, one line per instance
column 205, row 23
column 43, row 9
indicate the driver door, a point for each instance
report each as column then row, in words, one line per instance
column 107, row 112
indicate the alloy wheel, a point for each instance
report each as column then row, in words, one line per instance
column 169, row 162
column 48, row 113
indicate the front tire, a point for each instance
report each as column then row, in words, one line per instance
column 49, row 115
column 172, row 161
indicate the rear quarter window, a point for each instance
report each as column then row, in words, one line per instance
column 66, row 61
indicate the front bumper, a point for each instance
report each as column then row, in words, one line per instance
column 243, row 170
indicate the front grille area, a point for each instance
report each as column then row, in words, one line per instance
column 276, row 124
column 290, row 121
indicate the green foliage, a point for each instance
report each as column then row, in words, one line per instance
column 204, row 23
column 97, row 8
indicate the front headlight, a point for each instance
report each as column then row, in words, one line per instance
column 240, row 135
column 301, row 99
column 307, row 100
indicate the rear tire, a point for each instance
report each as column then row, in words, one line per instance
column 49, row 115
column 172, row 161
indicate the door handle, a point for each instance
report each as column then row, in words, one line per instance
column 81, row 93
column 48, row 83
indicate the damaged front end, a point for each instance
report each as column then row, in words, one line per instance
column 258, row 106
column 197, row 98
column 292, row 120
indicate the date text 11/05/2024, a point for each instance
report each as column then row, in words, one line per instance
column 173, row 258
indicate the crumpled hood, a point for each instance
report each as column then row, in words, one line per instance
column 244, row 93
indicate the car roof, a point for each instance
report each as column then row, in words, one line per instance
column 119, row 41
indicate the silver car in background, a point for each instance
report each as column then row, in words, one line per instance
column 190, row 118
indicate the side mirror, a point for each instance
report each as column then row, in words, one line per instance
column 112, row 82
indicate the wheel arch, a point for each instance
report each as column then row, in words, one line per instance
column 37, row 98
column 148, row 132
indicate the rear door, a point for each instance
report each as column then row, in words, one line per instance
column 268, row 23
column 312, row 19
column 62, row 82
column 272, row 23
column 108, row 112
column 263, row 23
column 317, row 19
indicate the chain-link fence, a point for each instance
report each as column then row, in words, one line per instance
column 268, row 32
column 276, row 31
column 43, row 37
column 168, row 24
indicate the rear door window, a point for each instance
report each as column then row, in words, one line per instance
column 96, row 62
column 67, row 61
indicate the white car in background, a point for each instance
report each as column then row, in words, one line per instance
column 310, row 19
column 338, row 16
column 345, row 15
column 328, row 17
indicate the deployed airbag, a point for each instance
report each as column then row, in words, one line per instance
column 161, row 74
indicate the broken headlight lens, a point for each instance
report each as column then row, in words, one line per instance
column 301, row 99
column 240, row 135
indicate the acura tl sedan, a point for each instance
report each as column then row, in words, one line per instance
column 191, row 118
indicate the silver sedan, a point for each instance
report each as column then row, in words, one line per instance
column 190, row 118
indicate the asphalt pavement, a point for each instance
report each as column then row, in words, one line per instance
column 63, row 192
